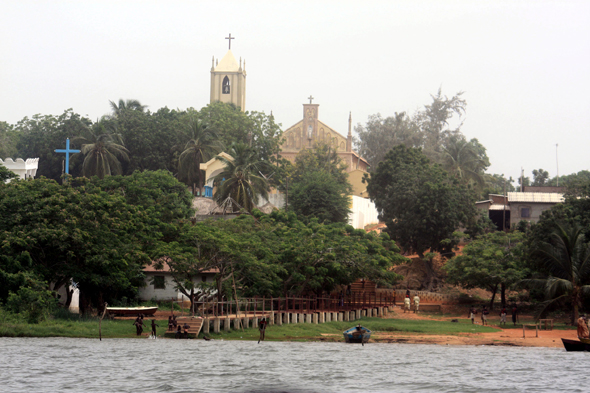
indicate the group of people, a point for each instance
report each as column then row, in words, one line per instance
column 139, row 325
column 407, row 302
column 485, row 312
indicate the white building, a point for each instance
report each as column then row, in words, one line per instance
column 24, row 169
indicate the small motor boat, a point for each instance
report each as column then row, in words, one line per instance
column 357, row 334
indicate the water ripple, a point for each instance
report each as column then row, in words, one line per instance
column 124, row 365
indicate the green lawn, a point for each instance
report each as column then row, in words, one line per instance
column 74, row 326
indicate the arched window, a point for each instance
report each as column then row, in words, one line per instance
column 225, row 88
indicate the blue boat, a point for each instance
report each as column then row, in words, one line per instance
column 357, row 334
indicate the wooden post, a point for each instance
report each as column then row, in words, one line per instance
column 100, row 322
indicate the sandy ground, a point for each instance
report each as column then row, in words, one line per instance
column 507, row 337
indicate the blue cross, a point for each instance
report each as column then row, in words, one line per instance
column 67, row 150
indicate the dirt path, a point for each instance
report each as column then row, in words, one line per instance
column 507, row 337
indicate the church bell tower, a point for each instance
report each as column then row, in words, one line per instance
column 228, row 79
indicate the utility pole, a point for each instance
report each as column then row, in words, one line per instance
column 557, row 162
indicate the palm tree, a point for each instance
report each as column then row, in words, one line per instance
column 201, row 147
column 464, row 159
column 566, row 259
column 102, row 150
column 119, row 108
column 242, row 178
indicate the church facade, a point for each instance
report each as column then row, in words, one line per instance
column 310, row 130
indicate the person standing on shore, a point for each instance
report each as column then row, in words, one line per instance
column 407, row 303
column 503, row 316
column 154, row 324
column 484, row 316
column 262, row 328
column 416, row 303
column 139, row 325
column 472, row 312
column 514, row 314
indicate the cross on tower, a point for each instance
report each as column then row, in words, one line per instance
column 67, row 150
column 230, row 38
column 310, row 98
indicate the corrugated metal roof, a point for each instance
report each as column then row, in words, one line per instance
column 535, row 197
column 500, row 207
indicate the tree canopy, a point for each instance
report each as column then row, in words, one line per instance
column 493, row 260
column 420, row 203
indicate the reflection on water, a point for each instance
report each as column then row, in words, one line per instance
column 134, row 365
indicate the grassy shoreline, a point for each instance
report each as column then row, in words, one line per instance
column 88, row 328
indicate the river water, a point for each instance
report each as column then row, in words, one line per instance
column 142, row 365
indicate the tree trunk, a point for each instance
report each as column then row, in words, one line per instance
column 575, row 311
column 431, row 276
column 493, row 297
column 503, row 289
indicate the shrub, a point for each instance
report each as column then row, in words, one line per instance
column 34, row 305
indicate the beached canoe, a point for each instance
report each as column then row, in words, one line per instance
column 357, row 334
column 576, row 345
column 132, row 310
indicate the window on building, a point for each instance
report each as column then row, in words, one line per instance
column 225, row 86
column 204, row 278
column 525, row 212
column 159, row 282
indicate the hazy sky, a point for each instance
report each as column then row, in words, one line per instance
column 524, row 65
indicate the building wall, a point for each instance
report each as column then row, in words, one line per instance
column 363, row 212
column 535, row 210
column 23, row 169
column 169, row 292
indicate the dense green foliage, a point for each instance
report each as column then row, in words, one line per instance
column 97, row 233
column 420, row 203
column 493, row 260
column 319, row 185
column 564, row 259
column 277, row 254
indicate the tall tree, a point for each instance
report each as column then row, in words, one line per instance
column 319, row 185
column 8, row 140
column 419, row 202
column 102, row 149
column 242, row 178
column 201, row 147
column 493, row 261
column 434, row 121
column 126, row 105
column 466, row 160
column 540, row 177
column 41, row 135
column 565, row 258
column 380, row 134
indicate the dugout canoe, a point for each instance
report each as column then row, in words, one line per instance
column 132, row 310
column 576, row 345
column 357, row 334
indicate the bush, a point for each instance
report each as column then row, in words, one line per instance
column 34, row 305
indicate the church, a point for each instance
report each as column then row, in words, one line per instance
column 228, row 85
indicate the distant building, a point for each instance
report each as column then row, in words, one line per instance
column 24, row 169
column 159, row 284
column 228, row 81
column 518, row 206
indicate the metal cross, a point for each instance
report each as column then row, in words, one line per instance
column 230, row 38
column 67, row 150
column 310, row 98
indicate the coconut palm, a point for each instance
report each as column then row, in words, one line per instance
column 201, row 147
column 464, row 159
column 126, row 105
column 566, row 259
column 102, row 149
column 242, row 178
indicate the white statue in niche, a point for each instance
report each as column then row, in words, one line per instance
column 309, row 131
